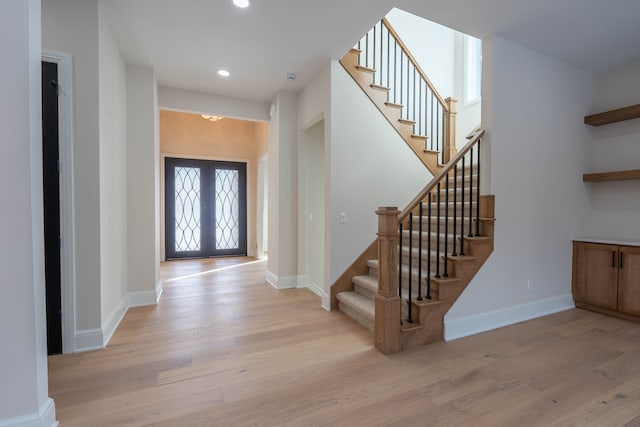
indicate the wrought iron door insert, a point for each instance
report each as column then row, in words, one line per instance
column 206, row 208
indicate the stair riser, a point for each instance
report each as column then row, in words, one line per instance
column 433, row 241
column 357, row 316
column 365, row 292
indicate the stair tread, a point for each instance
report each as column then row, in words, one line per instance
column 358, row 303
column 410, row 327
column 425, row 137
column 366, row 69
column 366, row 281
column 407, row 122
column 391, row 104
column 355, row 51
column 379, row 87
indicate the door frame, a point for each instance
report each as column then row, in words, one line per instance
column 67, row 195
column 163, row 156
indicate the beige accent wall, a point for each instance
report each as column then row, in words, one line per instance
column 189, row 135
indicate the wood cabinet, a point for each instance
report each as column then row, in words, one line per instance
column 606, row 277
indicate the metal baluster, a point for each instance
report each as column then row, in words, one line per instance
column 395, row 70
column 373, row 53
column 420, row 255
column 382, row 70
column 462, row 212
column 455, row 208
column 410, row 266
column 401, row 74
column 400, row 265
column 388, row 57
column 431, row 127
column 438, row 235
column 470, row 193
column 446, row 225
column 429, row 247
column 408, row 84
column 420, row 110
column 478, row 193
column 366, row 50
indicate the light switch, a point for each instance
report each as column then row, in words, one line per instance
column 343, row 217
column 309, row 216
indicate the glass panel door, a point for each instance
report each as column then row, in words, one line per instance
column 206, row 208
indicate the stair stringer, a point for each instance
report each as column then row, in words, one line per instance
column 428, row 315
column 364, row 78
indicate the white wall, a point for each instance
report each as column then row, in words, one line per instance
column 202, row 103
column 23, row 360
column 283, row 192
column 72, row 26
column 113, row 179
column 533, row 110
column 616, row 205
column 143, row 186
column 369, row 166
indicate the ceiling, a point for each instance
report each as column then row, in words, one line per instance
column 187, row 41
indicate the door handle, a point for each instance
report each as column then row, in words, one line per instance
column 621, row 256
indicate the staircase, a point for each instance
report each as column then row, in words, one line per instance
column 436, row 275
column 402, row 286
column 386, row 71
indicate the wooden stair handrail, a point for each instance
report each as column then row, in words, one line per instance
column 475, row 137
column 415, row 63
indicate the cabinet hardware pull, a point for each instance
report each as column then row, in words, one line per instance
column 613, row 259
column 621, row 255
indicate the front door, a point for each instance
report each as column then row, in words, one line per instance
column 206, row 208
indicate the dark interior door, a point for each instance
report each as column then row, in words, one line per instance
column 206, row 208
column 51, row 195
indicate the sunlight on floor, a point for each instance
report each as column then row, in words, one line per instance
column 203, row 273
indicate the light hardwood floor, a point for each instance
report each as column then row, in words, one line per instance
column 225, row 349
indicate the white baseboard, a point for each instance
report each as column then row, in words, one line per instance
column 326, row 302
column 96, row 339
column 282, row 282
column 45, row 417
column 88, row 339
column 471, row 325
column 144, row 298
column 114, row 319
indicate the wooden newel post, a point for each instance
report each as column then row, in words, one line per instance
column 449, row 149
column 387, row 323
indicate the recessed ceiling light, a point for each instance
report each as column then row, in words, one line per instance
column 224, row 73
column 241, row 3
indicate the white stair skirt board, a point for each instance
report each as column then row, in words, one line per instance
column 471, row 325
column 45, row 417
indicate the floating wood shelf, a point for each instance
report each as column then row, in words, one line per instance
column 613, row 116
column 611, row 176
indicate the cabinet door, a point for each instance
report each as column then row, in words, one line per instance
column 596, row 274
column 629, row 280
